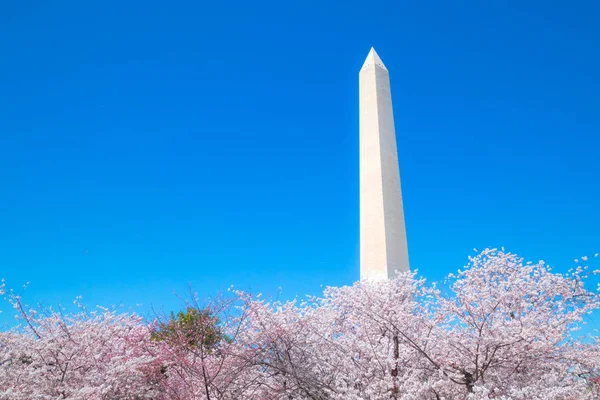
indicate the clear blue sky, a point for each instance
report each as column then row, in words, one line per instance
column 146, row 145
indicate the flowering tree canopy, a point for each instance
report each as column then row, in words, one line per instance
column 498, row 329
column 99, row 355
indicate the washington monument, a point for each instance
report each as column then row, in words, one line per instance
column 383, row 247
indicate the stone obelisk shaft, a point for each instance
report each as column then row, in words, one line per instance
column 383, row 246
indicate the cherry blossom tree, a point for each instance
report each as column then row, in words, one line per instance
column 347, row 344
column 502, row 329
column 82, row 356
column 506, row 328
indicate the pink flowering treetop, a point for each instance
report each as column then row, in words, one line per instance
column 83, row 356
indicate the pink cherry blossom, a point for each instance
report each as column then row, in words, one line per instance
column 499, row 328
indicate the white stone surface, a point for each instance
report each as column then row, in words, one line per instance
column 383, row 246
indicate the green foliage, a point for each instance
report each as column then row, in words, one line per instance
column 193, row 327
